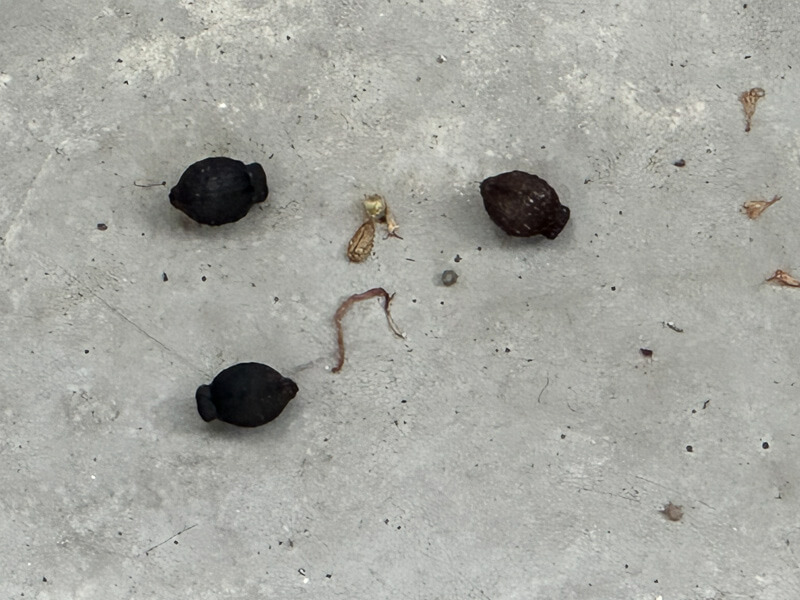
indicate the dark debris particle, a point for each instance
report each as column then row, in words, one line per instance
column 102, row 226
column 203, row 278
column 164, row 277
column 449, row 277
column 672, row 512
column 765, row 445
column 689, row 449
column 680, row 163
column 457, row 258
column 646, row 352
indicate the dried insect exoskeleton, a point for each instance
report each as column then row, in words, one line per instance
column 749, row 100
column 378, row 210
column 783, row 278
column 672, row 512
column 360, row 244
column 754, row 208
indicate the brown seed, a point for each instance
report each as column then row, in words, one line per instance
column 523, row 205
column 672, row 512
column 361, row 243
column 754, row 208
column 783, row 278
column 749, row 100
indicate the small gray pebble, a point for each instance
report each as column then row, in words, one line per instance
column 449, row 277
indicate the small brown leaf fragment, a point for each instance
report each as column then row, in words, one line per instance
column 754, row 208
column 783, row 278
column 672, row 512
column 361, row 243
column 342, row 311
column 749, row 100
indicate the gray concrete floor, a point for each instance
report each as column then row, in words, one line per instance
column 516, row 444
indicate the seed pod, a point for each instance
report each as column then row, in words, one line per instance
column 360, row 244
column 247, row 395
column 219, row 190
column 523, row 205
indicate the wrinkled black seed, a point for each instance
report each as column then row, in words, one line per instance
column 449, row 277
column 524, row 205
column 219, row 190
column 247, row 395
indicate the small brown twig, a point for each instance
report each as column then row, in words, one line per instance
column 146, row 185
column 783, row 278
column 754, row 208
column 749, row 100
column 342, row 311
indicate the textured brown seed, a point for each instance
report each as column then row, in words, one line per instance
column 361, row 243
column 524, row 205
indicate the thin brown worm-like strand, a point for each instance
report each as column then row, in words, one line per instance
column 342, row 311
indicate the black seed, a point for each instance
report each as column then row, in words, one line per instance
column 646, row 352
column 449, row 277
column 102, row 226
column 765, row 445
column 523, row 205
column 247, row 395
column 680, row 163
column 164, row 277
column 219, row 190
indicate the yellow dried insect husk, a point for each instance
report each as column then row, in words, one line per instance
column 360, row 245
column 375, row 206
column 784, row 278
column 754, row 208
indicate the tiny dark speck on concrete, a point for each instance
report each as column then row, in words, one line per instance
column 203, row 278
column 680, row 163
column 646, row 352
column 449, row 277
column 457, row 258
column 689, row 449
column 102, row 226
column 164, row 277
column 765, row 445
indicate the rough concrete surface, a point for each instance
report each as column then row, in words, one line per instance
column 517, row 444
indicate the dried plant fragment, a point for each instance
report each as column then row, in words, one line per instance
column 749, row 100
column 672, row 512
column 342, row 311
column 754, row 208
column 378, row 210
column 360, row 244
column 783, row 278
